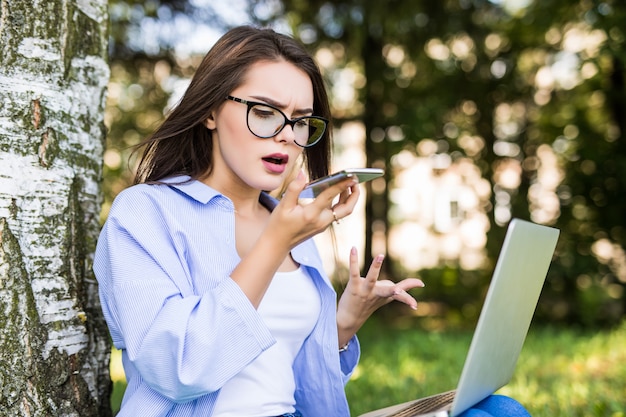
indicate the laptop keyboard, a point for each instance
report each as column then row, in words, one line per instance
column 426, row 405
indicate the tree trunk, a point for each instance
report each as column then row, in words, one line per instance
column 54, row 345
column 376, row 152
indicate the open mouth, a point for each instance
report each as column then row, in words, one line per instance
column 276, row 159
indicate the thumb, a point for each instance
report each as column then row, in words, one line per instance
column 294, row 188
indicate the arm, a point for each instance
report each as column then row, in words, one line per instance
column 185, row 325
column 290, row 223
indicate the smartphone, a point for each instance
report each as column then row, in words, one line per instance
column 314, row 188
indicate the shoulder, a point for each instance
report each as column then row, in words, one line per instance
column 140, row 196
column 175, row 191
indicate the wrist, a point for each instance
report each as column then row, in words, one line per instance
column 347, row 324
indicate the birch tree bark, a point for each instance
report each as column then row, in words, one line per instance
column 54, row 345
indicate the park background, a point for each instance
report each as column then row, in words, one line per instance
column 479, row 111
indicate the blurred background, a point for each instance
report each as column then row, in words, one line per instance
column 479, row 111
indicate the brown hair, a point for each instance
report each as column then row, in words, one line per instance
column 182, row 145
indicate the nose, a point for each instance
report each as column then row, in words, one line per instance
column 286, row 134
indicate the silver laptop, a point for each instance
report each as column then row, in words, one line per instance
column 502, row 326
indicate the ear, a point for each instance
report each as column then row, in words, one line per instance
column 210, row 122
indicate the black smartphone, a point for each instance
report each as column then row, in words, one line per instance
column 314, row 188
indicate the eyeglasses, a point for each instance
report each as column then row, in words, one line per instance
column 266, row 121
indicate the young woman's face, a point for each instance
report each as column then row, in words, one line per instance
column 243, row 160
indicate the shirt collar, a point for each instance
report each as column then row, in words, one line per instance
column 202, row 193
column 195, row 189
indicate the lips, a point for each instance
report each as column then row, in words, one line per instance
column 276, row 162
column 276, row 158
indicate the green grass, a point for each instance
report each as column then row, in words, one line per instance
column 561, row 372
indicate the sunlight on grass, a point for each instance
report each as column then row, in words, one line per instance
column 118, row 378
column 116, row 369
column 571, row 373
column 561, row 372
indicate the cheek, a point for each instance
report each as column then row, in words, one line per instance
column 232, row 132
column 229, row 126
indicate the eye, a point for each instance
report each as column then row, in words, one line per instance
column 303, row 123
column 263, row 112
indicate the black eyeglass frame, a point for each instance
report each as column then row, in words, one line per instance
column 290, row 122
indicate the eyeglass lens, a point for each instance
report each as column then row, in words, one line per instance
column 266, row 122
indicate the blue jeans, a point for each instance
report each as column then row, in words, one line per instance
column 497, row 406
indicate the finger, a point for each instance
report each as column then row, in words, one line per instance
column 295, row 187
column 343, row 197
column 410, row 283
column 404, row 297
column 326, row 197
column 355, row 273
column 374, row 271
column 347, row 202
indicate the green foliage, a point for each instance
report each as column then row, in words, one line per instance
column 448, row 71
column 561, row 372
column 443, row 72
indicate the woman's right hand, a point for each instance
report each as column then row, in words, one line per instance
column 294, row 220
column 291, row 222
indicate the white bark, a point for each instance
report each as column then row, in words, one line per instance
column 53, row 75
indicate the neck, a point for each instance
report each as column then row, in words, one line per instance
column 244, row 198
column 246, row 204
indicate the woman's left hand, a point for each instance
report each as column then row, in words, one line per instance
column 364, row 295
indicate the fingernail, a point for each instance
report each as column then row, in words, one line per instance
column 380, row 258
column 353, row 251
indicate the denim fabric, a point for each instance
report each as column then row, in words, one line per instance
column 296, row 414
column 497, row 406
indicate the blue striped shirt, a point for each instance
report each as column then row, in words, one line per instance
column 163, row 262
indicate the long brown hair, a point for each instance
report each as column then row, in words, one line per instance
column 182, row 145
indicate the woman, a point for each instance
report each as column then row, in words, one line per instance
column 213, row 290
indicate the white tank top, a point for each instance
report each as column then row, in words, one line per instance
column 290, row 309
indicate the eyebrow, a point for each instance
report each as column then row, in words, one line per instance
column 274, row 103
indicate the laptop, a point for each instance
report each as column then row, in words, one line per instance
column 502, row 326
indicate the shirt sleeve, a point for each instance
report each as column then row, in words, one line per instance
column 349, row 359
column 183, row 344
